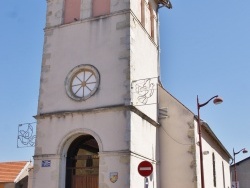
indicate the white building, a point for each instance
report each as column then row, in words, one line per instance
column 242, row 173
column 179, row 149
column 101, row 108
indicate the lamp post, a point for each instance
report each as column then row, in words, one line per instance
column 217, row 100
column 236, row 153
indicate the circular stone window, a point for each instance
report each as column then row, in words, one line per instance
column 82, row 82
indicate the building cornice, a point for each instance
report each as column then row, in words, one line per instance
column 98, row 109
column 89, row 19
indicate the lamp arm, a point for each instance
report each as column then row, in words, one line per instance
column 232, row 162
column 235, row 153
column 201, row 105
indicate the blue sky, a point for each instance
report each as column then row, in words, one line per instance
column 205, row 51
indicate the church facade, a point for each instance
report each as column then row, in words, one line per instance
column 102, row 109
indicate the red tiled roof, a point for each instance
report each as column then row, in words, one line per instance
column 10, row 170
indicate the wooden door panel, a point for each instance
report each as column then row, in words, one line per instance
column 86, row 181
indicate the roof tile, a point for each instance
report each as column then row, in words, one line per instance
column 10, row 170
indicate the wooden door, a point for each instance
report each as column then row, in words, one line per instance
column 84, row 174
column 85, row 181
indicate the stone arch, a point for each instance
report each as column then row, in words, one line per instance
column 65, row 144
column 67, row 140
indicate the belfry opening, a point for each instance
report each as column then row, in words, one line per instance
column 82, row 165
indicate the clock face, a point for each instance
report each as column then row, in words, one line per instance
column 82, row 82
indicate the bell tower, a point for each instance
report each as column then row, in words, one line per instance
column 97, row 112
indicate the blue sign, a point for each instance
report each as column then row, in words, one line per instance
column 46, row 163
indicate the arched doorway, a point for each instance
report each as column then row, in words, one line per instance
column 82, row 165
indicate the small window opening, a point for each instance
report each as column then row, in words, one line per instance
column 72, row 10
column 214, row 170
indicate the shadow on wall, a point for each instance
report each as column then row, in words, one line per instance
column 23, row 183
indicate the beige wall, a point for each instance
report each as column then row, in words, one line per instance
column 93, row 42
column 122, row 146
column 210, row 146
column 176, row 149
column 242, row 172
column 117, row 45
column 123, row 51
column 54, row 135
column 179, row 149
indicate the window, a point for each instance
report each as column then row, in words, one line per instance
column 79, row 9
column 214, row 170
column 101, row 7
column 223, row 175
column 152, row 21
column 147, row 24
column 143, row 13
column 82, row 82
column 71, row 10
column 149, row 18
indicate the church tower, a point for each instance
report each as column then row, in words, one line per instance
column 97, row 113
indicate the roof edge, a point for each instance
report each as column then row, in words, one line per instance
column 206, row 126
column 22, row 172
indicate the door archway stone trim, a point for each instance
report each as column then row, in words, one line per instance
column 71, row 136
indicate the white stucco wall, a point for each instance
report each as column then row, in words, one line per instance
column 99, row 43
column 104, row 124
column 54, row 135
column 210, row 146
column 144, row 58
column 122, row 51
column 143, row 145
column 117, row 42
column 143, row 137
column 122, row 145
column 136, row 180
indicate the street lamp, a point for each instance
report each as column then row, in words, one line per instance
column 236, row 153
column 217, row 100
